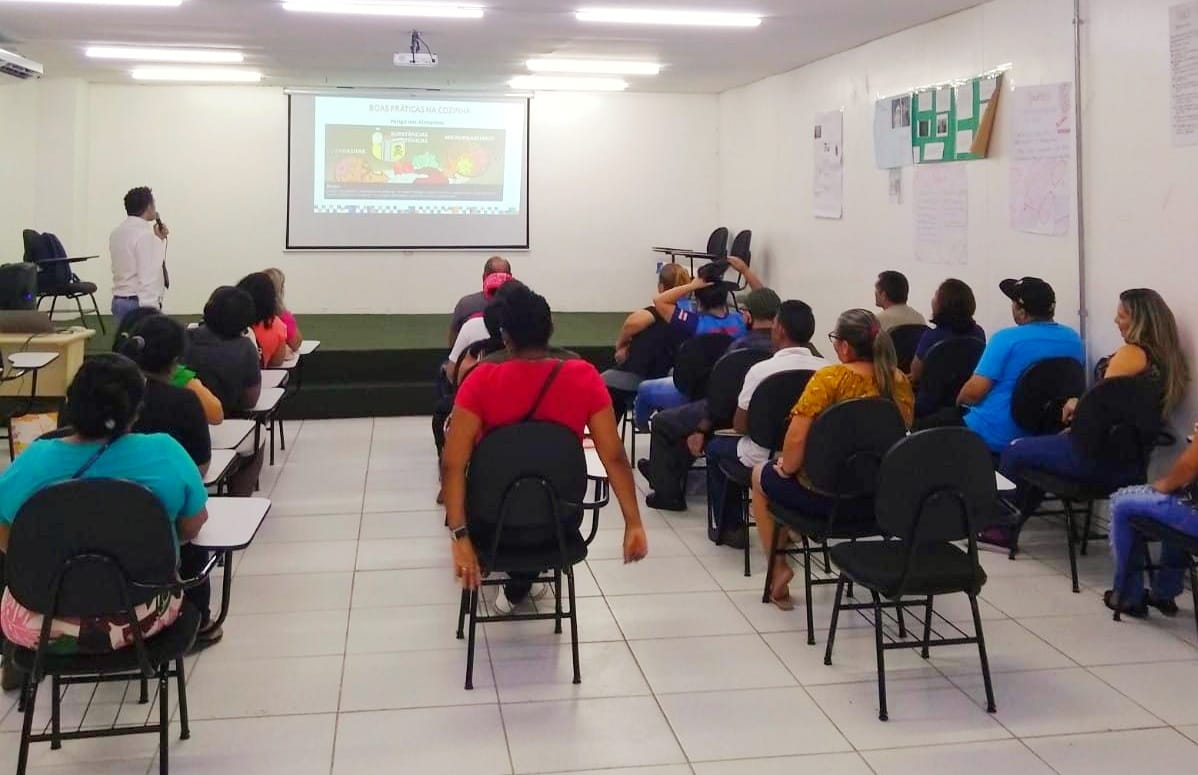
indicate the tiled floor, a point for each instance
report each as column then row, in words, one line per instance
column 340, row 658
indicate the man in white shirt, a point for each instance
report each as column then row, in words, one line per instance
column 138, row 251
column 791, row 336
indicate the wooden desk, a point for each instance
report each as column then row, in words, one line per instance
column 54, row 378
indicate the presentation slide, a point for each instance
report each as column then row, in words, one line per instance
column 387, row 173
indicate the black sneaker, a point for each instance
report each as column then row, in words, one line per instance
column 1165, row 606
column 654, row 502
column 1134, row 611
column 642, row 465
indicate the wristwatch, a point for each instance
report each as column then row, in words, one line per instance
column 459, row 533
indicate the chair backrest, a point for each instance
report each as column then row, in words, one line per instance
column 727, row 379
column 651, row 353
column 39, row 248
column 906, row 342
column 936, row 486
column 524, row 481
column 742, row 246
column 847, row 443
column 1042, row 391
column 1118, row 420
column 35, row 247
column 769, row 409
column 946, row 369
column 717, row 243
column 695, row 360
column 96, row 537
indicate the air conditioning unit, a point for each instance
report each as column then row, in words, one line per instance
column 18, row 66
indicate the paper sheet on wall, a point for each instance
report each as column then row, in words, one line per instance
column 1041, row 196
column 941, row 214
column 828, row 161
column 1042, row 145
column 1183, row 50
column 892, row 132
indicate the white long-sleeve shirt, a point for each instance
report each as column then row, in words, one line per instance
column 137, row 260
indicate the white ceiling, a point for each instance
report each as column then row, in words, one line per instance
column 309, row 49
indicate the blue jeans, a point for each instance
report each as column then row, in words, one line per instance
column 1130, row 551
column 653, row 395
column 723, row 500
column 1058, row 455
column 122, row 307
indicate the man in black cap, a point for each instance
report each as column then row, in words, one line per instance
column 1009, row 353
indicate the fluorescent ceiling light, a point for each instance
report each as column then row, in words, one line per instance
column 141, row 3
column 197, row 74
column 383, row 8
column 191, row 55
column 557, row 83
column 593, row 67
column 676, row 18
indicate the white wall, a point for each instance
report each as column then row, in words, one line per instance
column 766, row 163
column 1141, row 192
column 216, row 158
column 18, row 113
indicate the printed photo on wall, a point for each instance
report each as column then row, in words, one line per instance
column 900, row 112
column 942, row 125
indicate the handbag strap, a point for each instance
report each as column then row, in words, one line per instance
column 544, row 389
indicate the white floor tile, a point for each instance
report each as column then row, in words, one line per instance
column 291, row 592
column 1167, row 689
column 1009, row 647
column 429, row 741
column 1117, row 753
column 319, row 488
column 679, row 615
column 595, row 624
column 998, row 758
column 652, row 576
column 923, row 712
column 273, row 636
column 1058, row 702
column 589, row 734
column 303, row 557
column 338, row 527
column 854, row 658
column 1093, row 639
column 824, row 764
column 410, row 628
column 404, row 553
column 392, row 588
column 404, row 524
column 609, row 545
column 544, row 673
column 280, row 745
column 1021, row 596
column 759, row 722
column 710, row 664
column 419, row 679
column 264, row 687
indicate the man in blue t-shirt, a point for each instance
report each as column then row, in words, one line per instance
column 712, row 316
column 1035, row 337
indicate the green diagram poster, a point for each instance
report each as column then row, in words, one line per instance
column 954, row 122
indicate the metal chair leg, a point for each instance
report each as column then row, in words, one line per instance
column 557, row 601
column 55, row 713
column 1069, row 532
column 29, row 693
column 1086, row 529
column 164, row 722
column 462, row 614
column 902, row 620
column 744, row 499
column 82, row 316
column 99, row 317
column 573, row 625
column 977, row 628
column 882, row 714
column 282, row 436
column 807, row 591
column 181, row 687
column 470, row 643
column 835, row 619
column 145, row 688
column 927, row 628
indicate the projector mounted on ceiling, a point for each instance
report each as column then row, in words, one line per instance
column 417, row 55
column 18, row 66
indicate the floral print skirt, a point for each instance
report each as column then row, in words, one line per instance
column 92, row 635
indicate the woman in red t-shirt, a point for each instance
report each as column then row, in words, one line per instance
column 269, row 331
column 498, row 394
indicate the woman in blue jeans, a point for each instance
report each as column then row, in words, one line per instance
column 1152, row 353
column 1169, row 502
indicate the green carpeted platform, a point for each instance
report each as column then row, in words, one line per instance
column 411, row 332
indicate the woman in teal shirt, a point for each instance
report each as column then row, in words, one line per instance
column 102, row 405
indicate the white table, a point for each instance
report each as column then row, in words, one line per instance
column 274, row 378
column 268, row 401
column 232, row 525
column 231, row 434
column 1004, row 484
column 307, row 347
column 264, row 414
column 218, row 466
column 31, row 362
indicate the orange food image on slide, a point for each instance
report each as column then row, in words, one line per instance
column 355, row 169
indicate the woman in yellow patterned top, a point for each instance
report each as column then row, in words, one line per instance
column 868, row 368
